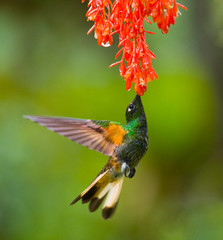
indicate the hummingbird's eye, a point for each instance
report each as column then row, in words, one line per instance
column 131, row 107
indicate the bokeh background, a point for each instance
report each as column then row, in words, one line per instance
column 49, row 66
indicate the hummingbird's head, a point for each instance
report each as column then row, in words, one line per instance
column 134, row 109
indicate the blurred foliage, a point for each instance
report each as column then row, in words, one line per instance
column 48, row 66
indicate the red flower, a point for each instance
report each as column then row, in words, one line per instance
column 126, row 17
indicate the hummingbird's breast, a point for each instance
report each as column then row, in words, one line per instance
column 133, row 148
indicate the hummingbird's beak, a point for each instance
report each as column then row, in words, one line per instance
column 136, row 99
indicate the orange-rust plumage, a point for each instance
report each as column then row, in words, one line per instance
column 125, row 144
column 115, row 133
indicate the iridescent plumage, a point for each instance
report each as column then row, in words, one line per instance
column 125, row 144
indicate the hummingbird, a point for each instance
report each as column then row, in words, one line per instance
column 124, row 144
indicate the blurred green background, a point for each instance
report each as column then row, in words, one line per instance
column 49, row 66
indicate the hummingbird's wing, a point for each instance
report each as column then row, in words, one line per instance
column 101, row 136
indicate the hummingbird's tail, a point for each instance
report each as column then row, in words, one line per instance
column 101, row 187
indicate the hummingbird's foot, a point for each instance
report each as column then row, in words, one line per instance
column 128, row 171
column 132, row 173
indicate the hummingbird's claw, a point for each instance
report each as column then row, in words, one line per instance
column 129, row 172
column 132, row 173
